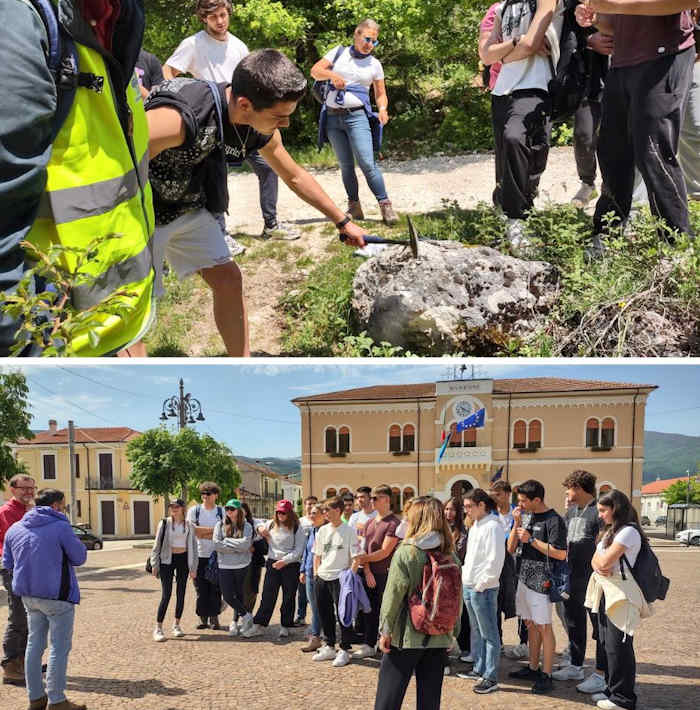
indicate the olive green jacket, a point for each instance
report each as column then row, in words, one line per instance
column 405, row 575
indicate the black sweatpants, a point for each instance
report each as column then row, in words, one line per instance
column 395, row 673
column 177, row 568
column 576, row 615
column 586, row 125
column 208, row 594
column 643, row 106
column 374, row 594
column 521, row 130
column 621, row 672
column 232, row 582
column 288, row 579
column 327, row 596
column 252, row 585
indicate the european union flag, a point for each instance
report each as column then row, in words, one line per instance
column 473, row 421
column 496, row 476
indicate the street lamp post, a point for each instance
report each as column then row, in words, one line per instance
column 187, row 409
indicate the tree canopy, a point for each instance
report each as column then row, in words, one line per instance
column 165, row 464
column 14, row 421
column 677, row 493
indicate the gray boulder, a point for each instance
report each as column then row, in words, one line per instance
column 452, row 298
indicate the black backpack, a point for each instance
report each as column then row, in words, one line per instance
column 570, row 78
column 647, row 573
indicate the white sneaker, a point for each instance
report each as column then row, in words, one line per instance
column 158, row 635
column 518, row 652
column 608, row 705
column 595, row 683
column 364, row 651
column 284, row 632
column 342, row 658
column 569, row 673
column 233, row 629
column 448, row 670
column 254, row 630
column 245, row 622
column 325, row 653
column 467, row 658
column 515, row 233
column 177, row 631
column 282, row 230
column 598, row 696
column 235, row 248
column 584, row 195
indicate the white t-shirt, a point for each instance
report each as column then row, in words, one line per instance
column 336, row 547
column 358, row 520
column 630, row 538
column 207, row 519
column 207, row 58
column 533, row 72
column 360, row 72
column 178, row 535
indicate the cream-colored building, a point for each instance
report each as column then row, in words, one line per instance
column 106, row 501
column 541, row 428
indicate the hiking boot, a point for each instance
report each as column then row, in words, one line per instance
column 543, row 684
column 595, row 683
column 66, row 705
column 584, row 195
column 389, row 217
column 39, row 703
column 518, row 652
column 569, row 673
column 365, row 651
column 283, row 231
column 13, row 672
column 313, row 645
column 355, row 209
column 485, row 686
column 525, row 673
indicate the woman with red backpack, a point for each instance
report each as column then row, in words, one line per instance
column 418, row 626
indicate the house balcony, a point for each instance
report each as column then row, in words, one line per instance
column 109, row 484
column 465, row 455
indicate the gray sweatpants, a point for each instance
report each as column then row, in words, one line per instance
column 14, row 642
column 689, row 142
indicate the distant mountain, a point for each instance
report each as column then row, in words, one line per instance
column 669, row 455
column 285, row 467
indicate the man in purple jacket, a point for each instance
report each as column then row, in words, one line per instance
column 41, row 550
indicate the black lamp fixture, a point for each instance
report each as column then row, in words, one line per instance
column 187, row 408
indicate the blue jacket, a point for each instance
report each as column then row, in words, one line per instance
column 374, row 124
column 41, row 550
column 307, row 559
column 353, row 597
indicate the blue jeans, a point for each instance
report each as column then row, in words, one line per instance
column 483, row 617
column 311, row 596
column 351, row 138
column 56, row 617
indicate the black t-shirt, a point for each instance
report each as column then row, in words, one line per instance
column 192, row 176
column 149, row 70
column 546, row 527
column 583, row 526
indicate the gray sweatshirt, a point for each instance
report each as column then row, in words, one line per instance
column 233, row 552
column 285, row 544
column 163, row 554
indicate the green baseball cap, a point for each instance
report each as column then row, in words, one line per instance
column 233, row 503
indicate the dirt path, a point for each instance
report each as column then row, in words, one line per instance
column 415, row 186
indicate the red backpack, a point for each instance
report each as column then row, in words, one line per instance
column 436, row 604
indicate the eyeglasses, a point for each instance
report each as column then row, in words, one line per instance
column 208, row 493
column 25, row 488
column 281, row 512
column 369, row 40
column 229, row 509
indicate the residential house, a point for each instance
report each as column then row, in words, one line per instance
column 653, row 504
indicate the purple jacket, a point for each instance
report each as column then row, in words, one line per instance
column 41, row 550
column 353, row 597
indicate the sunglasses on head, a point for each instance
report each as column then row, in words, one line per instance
column 369, row 40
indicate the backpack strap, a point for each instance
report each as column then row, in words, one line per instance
column 196, row 514
column 219, row 513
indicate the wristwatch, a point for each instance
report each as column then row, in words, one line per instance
column 343, row 222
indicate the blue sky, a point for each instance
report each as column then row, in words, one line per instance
column 248, row 406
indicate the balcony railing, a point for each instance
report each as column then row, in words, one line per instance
column 466, row 454
column 109, row 484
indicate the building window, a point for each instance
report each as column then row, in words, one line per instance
column 77, row 465
column 408, row 493
column 344, row 440
column 592, row 432
column 330, row 492
column 49, row 467
column 395, row 438
column 79, row 509
column 455, row 438
column 520, row 434
column 607, row 434
column 534, row 439
column 331, row 443
column 409, row 438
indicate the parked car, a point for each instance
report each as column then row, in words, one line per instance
column 645, row 521
column 661, row 520
column 90, row 540
column 689, row 537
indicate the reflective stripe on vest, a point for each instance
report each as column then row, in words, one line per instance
column 97, row 187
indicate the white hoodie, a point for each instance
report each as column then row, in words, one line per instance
column 486, row 553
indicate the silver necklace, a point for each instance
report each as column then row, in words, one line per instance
column 242, row 142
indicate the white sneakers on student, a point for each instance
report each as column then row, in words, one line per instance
column 595, row 683
column 608, row 705
column 325, row 653
column 342, row 658
column 518, row 652
column 177, row 631
column 569, row 673
column 245, row 622
column 284, row 632
column 364, row 651
column 254, row 630
column 158, row 635
column 467, row 658
column 233, row 629
column 598, row 696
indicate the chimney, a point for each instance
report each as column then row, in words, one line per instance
column 53, row 426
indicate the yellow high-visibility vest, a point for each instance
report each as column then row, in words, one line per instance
column 97, row 185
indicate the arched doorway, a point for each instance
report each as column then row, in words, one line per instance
column 460, row 488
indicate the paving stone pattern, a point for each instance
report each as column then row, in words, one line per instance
column 115, row 664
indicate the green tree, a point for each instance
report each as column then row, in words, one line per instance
column 14, row 421
column 678, row 492
column 165, row 464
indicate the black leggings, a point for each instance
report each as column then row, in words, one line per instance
column 167, row 572
column 232, row 582
column 395, row 674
